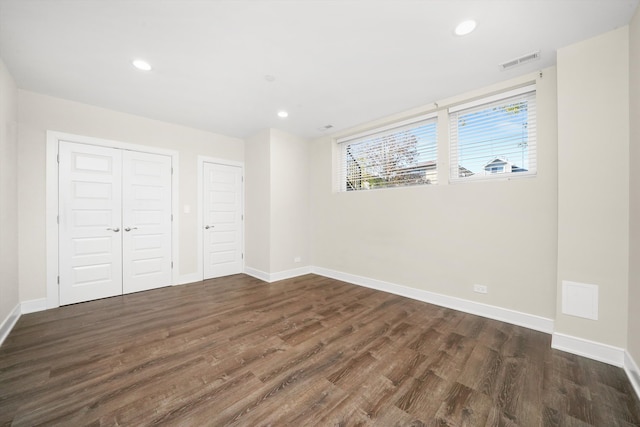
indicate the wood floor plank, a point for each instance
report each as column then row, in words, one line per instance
column 303, row 351
column 464, row 406
column 422, row 397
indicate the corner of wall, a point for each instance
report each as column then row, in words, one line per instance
column 9, row 322
column 9, row 198
column 633, row 372
column 633, row 326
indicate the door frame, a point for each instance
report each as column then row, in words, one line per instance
column 51, row 212
column 201, row 161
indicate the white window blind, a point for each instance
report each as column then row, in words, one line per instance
column 494, row 137
column 398, row 155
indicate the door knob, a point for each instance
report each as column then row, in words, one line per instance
column 130, row 228
column 206, row 227
column 115, row 230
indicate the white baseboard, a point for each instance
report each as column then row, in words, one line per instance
column 33, row 306
column 258, row 274
column 593, row 350
column 24, row 307
column 530, row 321
column 280, row 275
column 633, row 372
column 9, row 322
column 189, row 278
column 288, row 274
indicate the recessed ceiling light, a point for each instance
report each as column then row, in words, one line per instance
column 141, row 64
column 465, row 27
column 283, row 114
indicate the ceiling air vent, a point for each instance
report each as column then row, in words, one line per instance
column 521, row 60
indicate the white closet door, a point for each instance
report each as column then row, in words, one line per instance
column 222, row 218
column 146, row 221
column 90, row 245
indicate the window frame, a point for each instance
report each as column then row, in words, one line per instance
column 526, row 91
column 344, row 143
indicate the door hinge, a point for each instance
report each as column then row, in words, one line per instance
column 241, row 217
column 172, row 170
column 58, row 280
column 58, row 219
column 171, row 217
column 172, row 265
column 58, row 158
column 242, row 256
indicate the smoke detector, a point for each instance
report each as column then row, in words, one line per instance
column 520, row 60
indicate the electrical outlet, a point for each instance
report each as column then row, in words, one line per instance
column 481, row 289
column 297, row 259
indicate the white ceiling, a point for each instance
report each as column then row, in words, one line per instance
column 335, row 62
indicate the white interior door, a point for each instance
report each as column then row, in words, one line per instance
column 90, row 238
column 146, row 221
column 222, row 218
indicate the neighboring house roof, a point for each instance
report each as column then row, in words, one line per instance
column 419, row 167
column 496, row 161
column 431, row 166
column 499, row 161
column 462, row 171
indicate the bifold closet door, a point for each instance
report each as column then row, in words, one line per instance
column 114, row 228
column 90, row 235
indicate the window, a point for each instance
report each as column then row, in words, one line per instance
column 494, row 137
column 397, row 155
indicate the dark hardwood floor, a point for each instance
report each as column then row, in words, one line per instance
column 304, row 351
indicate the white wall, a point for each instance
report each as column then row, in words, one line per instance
column 9, row 290
column 633, row 333
column 593, row 182
column 447, row 237
column 290, row 220
column 39, row 113
column 257, row 213
column 277, row 202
